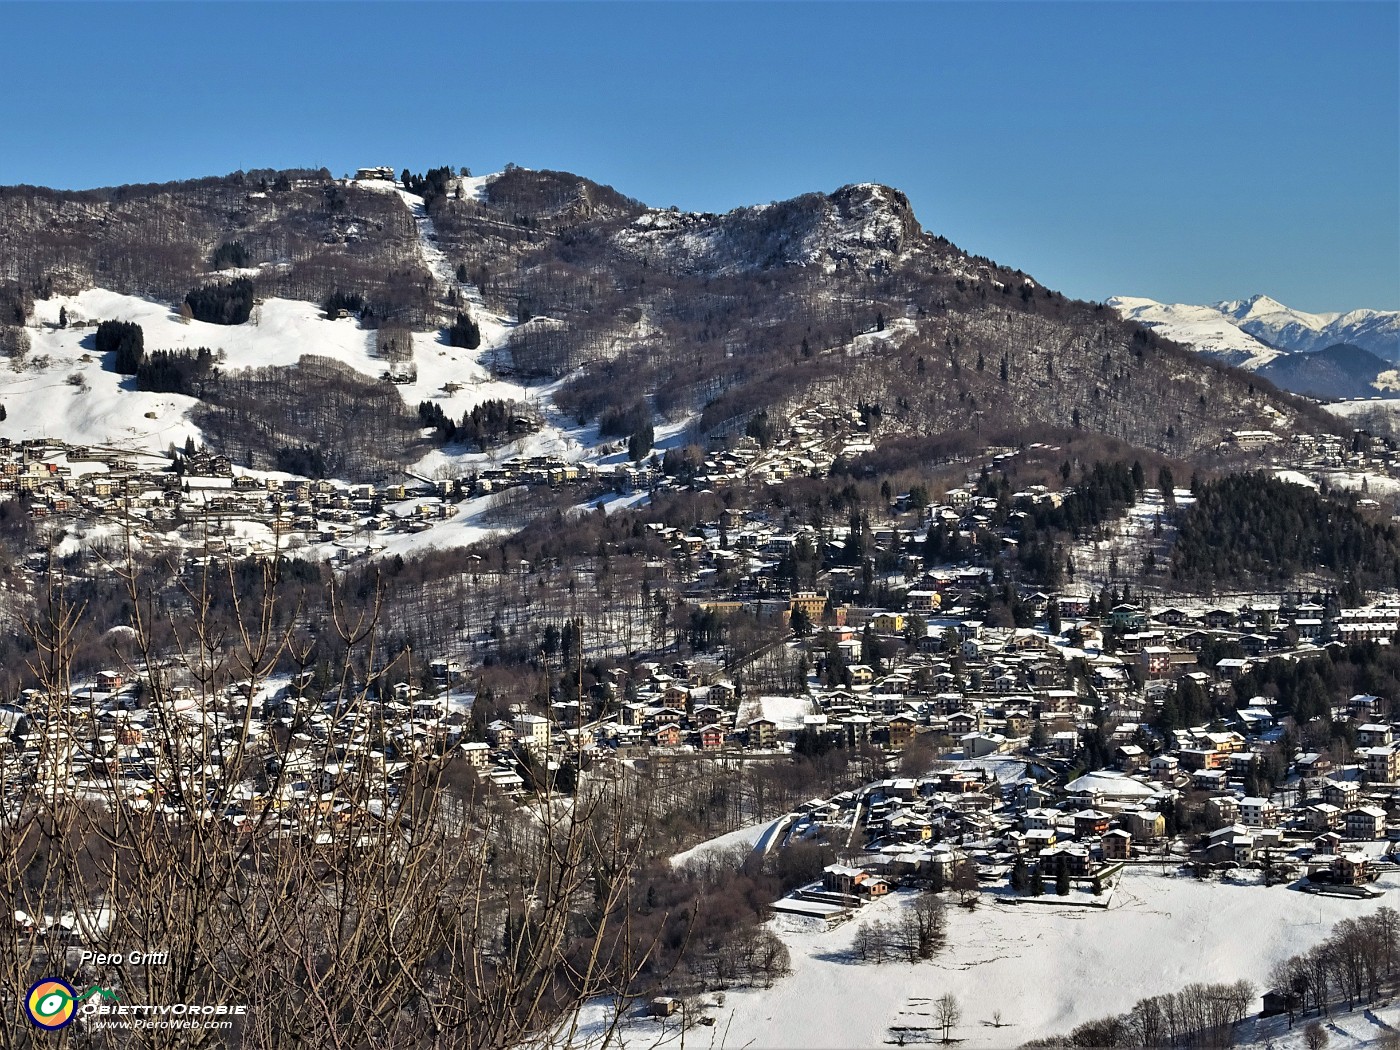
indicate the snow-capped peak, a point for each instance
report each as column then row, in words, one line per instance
column 1205, row 328
column 1265, row 322
column 1268, row 311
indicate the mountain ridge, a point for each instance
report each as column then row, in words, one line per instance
column 1268, row 323
column 628, row 311
column 1336, row 372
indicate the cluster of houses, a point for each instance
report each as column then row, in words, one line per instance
column 1025, row 697
column 962, row 828
column 201, row 490
column 813, row 440
column 139, row 738
column 195, row 489
column 683, row 705
column 1363, row 451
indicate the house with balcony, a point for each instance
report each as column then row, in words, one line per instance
column 1258, row 812
column 1364, row 824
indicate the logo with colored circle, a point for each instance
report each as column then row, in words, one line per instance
column 50, row 1003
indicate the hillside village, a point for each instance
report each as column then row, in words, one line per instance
column 1053, row 761
column 197, row 497
column 983, row 734
column 567, row 527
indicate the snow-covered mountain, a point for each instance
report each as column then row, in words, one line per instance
column 1203, row 328
column 590, row 307
column 1375, row 330
column 1251, row 332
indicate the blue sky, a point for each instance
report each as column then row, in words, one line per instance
column 1182, row 151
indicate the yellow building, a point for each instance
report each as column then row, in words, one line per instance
column 811, row 604
column 902, row 729
column 888, row 622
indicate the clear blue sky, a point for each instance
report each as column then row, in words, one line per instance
column 1187, row 152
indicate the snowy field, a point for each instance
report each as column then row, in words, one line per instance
column 1377, row 486
column 1044, row 967
column 747, row 836
column 787, row 711
column 1362, row 406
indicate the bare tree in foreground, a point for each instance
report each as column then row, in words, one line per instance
column 336, row 872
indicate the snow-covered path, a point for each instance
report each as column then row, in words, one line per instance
column 437, row 262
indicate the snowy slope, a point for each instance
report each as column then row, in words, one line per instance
column 1043, row 967
column 1252, row 332
column 1201, row 327
column 745, row 836
column 47, row 399
column 41, row 401
column 106, row 409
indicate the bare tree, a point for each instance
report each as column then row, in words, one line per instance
column 947, row 1013
column 284, row 859
column 923, row 926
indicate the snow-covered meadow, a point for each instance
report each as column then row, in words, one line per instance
column 1023, row 971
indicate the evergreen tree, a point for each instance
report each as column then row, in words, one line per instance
column 640, row 443
column 1062, row 882
column 869, row 648
column 226, row 304
column 1020, row 876
column 464, row 332
column 230, row 254
column 174, row 371
column 125, row 341
column 1167, row 484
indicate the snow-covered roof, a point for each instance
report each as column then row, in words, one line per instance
column 1109, row 784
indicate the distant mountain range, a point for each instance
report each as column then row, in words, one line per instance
column 1331, row 355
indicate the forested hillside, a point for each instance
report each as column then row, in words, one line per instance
column 1252, row 528
column 836, row 297
column 308, row 234
column 841, row 299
